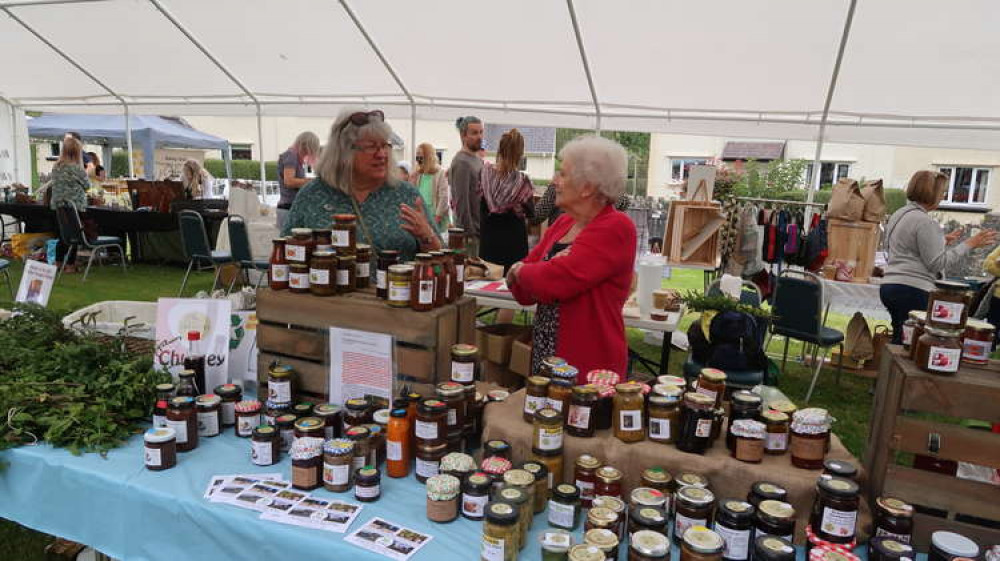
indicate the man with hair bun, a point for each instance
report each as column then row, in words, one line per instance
column 464, row 178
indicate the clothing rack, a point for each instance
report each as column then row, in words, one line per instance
column 779, row 201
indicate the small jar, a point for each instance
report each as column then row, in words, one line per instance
column 693, row 506
column 948, row 305
column 664, row 416
column 338, row 459
column 560, row 392
column 181, row 417
column 712, row 382
column 889, row 549
column 274, row 410
column 555, row 545
column 458, row 464
column 367, row 484
column 298, row 278
column 547, row 431
column 309, row 427
column 307, row 463
column 809, row 432
column 209, row 415
column 344, row 233
column 322, row 271
column 585, row 477
column 939, row 351
column 542, row 490
column 347, row 274
column 519, row 499
column 264, row 447
column 744, row 405
column 603, row 539
column 299, row 248
column 456, row 238
column 499, row 541
column 835, row 517
column 628, row 407
column 977, row 342
column 776, row 427
column 399, row 279
column 609, row 482
column 893, row 519
column 564, row 507
column 949, row 546
column 697, row 416
column 357, row 412
column 918, row 330
column 453, row 396
column 646, row 545
column 247, row 417
column 458, row 259
column 497, row 447
column 277, row 270
column 363, row 262
column 734, row 522
column 650, row 518
column 285, row 425
column 770, row 548
column 762, row 491
column 475, row 496
column 688, row 479
column 432, row 423
column 839, row 468
column 160, row 448
column 535, row 397
column 386, row 258
column 428, row 461
column 775, row 518
column 464, row 364
column 605, row 405
column 658, row 478
column 581, row 418
column 323, row 239
column 330, row 415
column 585, row 552
column 422, row 284
column 494, row 467
column 646, row 496
column 279, row 383
column 230, row 394
column 361, row 437
column 163, row 394
column 908, row 326
column 553, row 464
column 701, row 544
column 749, row 443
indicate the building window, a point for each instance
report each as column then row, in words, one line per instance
column 680, row 167
column 242, row 151
column 966, row 186
column 829, row 172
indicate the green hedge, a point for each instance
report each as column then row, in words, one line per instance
column 242, row 169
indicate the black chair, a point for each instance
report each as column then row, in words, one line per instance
column 5, row 270
column 197, row 248
column 798, row 305
column 72, row 234
column 239, row 245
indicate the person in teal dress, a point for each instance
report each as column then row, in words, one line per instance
column 432, row 182
column 353, row 177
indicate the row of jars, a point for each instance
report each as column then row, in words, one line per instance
column 941, row 351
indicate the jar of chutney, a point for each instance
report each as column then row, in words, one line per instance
column 581, row 419
column 809, row 433
column 693, row 506
column 697, row 416
column 893, row 519
column 734, row 522
column 364, row 266
column 835, row 518
column 400, row 278
column 535, row 397
column 344, row 234
column 386, row 258
column 347, row 273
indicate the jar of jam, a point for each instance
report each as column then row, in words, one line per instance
column 660, row 479
column 499, row 542
column 918, row 329
column 357, row 412
column 775, row 518
column 330, row 415
column 948, row 305
column 386, row 258
column 664, row 416
column 422, row 284
column 498, row 448
column 585, row 477
column 893, row 519
column 309, row 427
column 744, row 405
column 766, row 491
column 400, row 279
column 949, row 546
column 712, row 382
column 693, row 506
column 839, row 468
column 535, row 397
column 230, row 394
column 770, row 548
column 564, row 507
column 776, row 426
column 428, row 461
column 247, row 417
column 584, row 552
column 603, row 539
column 749, row 440
column 609, row 482
column 627, row 413
column 560, row 392
column 367, row 488
column 810, row 430
column 938, row 351
column 364, row 264
column 548, row 431
column 277, row 270
column 279, row 383
column 475, row 496
column 548, row 364
column 264, row 447
column 889, row 549
column 298, row 278
column 697, row 415
column 836, row 516
column 181, row 417
column 977, row 342
column 347, row 274
column 432, row 423
column 783, row 406
column 273, row 410
column 734, row 522
column 321, row 273
column 494, row 467
column 701, row 544
column 453, row 396
column 650, row 518
column 464, row 364
column 542, row 490
column 307, row 463
column 908, row 326
column 209, row 408
column 456, row 238
column 361, row 437
column 443, row 279
column 580, row 421
column 458, row 258
column 647, row 496
column 376, row 441
column 160, row 448
column 323, row 237
column 298, row 249
column 646, row 545
column 344, row 234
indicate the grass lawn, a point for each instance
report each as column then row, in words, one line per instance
column 848, row 401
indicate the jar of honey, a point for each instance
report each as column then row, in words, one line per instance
column 400, row 280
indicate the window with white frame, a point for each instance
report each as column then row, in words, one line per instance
column 966, row 185
column 680, row 167
column 829, row 172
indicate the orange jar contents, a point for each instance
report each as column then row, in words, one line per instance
column 938, row 351
column 422, row 284
column 712, row 382
column 397, row 444
column 277, row 272
column 299, row 248
column 977, row 342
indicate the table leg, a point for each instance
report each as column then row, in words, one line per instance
column 665, row 352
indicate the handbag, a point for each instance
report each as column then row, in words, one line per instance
column 858, row 342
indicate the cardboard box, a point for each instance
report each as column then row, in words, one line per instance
column 520, row 355
column 496, row 341
column 500, row 375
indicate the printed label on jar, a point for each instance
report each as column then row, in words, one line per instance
column 159, row 421
column 561, row 515
column 710, row 393
column 208, row 424
column 907, row 334
column 586, row 489
column 363, row 270
column 362, row 492
column 941, row 359
column 808, row 448
column 452, row 417
column 319, row 276
column 556, row 404
column 474, row 506
column 703, row 429
column 492, row 549
column 550, row 438
column 840, row 523
column 399, row 293
column 298, row 280
column 426, row 430
column 946, row 312
column 393, row 450
column 279, row 273
column 380, row 279
column 261, row 453
column 340, row 238
column 682, row 523
column 181, row 428
column 426, row 294
column 279, row 391
column 426, row 468
column 246, row 423
column 883, row 533
column 153, row 458
column 976, row 350
column 737, row 542
column 287, row 438
column 343, row 277
column 462, row 372
column 228, row 412
column 579, row 416
column 630, row 419
column 336, row 475
column 295, row 253
column 776, row 441
column 533, row 404
column 659, row 429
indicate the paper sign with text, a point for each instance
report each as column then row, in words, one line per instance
column 36, row 282
column 175, row 317
column 361, row 364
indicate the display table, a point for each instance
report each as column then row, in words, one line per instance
column 849, row 297
column 729, row 478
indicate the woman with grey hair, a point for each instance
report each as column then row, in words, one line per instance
column 292, row 170
column 355, row 176
column 580, row 273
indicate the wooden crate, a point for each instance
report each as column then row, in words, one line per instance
column 293, row 328
column 900, row 427
column 853, row 241
column 697, row 223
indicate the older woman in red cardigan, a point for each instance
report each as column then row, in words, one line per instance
column 580, row 273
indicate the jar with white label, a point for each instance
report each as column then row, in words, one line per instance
column 160, row 448
column 581, row 420
column 298, row 278
column 475, row 495
column 386, row 258
column 322, row 269
column 499, row 541
column 664, row 416
column 431, row 427
column 547, row 431
column 363, row 262
column 181, row 417
column 230, row 395
column 279, row 383
column 693, row 507
column 695, row 432
column 209, row 415
column 347, row 273
column 367, row 488
column 776, row 425
column 835, row 517
column 977, row 342
column 734, row 522
column 564, row 507
column 299, row 248
column 775, row 518
column 948, row 305
column 939, row 351
column 422, row 283
column 428, row 461
column 809, row 435
column 338, row 455
column 247, row 417
column 627, row 413
column 453, row 396
column 535, row 397
column 264, row 447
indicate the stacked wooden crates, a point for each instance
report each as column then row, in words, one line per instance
column 911, row 417
column 294, row 329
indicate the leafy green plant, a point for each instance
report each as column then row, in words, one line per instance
column 763, row 180
column 699, row 302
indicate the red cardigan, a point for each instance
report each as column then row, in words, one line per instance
column 590, row 284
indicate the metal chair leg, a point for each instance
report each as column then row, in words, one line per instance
column 185, row 281
column 121, row 256
column 64, row 261
column 784, row 355
column 215, row 279
column 89, row 262
column 840, row 364
column 232, row 281
column 819, row 365
column 260, row 278
column 10, row 285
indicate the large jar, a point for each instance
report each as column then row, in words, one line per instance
column 299, row 248
column 422, row 284
column 695, row 433
column 364, row 266
column 734, row 522
column 338, row 459
column 432, row 423
column 160, row 448
column 547, row 433
column 209, row 415
column 553, row 462
column 775, row 518
column 893, row 519
column 627, row 413
column 279, row 383
column 386, row 258
column 441, row 283
column 776, row 425
column 277, row 271
column 535, row 397
column 977, row 342
column 749, row 438
column 347, row 274
column 712, row 382
column 442, row 498
column 810, row 430
column 585, row 477
column 322, row 272
column 564, row 507
column 693, row 506
column 181, row 417
column 949, row 546
column 939, row 351
column 647, row 545
column 500, row 533
column 701, row 544
column 836, row 515
column 344, row 233
column 400, row 278
column 464, row 364
column 948, row 305
column 560, row 392
column 519, row 498
column 580, row 421
column 397, row 445
column 664, row 416
column 298, row 278
column 525, row 482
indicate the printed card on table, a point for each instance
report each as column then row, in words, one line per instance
column 320, row 514
column 236, row 485
column 388, row 539
column 259, row 495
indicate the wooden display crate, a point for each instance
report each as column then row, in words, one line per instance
column 691, row 236
column 293, row 328
column 907, row 419
column 853, row 241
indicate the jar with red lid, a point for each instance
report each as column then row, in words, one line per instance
column 432, row 423
column 277, row 272
column 609, row 482
column 977, row 342
column 585, row 478
column 299, row 248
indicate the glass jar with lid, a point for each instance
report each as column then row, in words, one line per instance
column 689, row 479
column 322, row 238
column 647, row 496
column 535, row 397
column 519, row 498
column 697, row 416
column 344, row 233
column 209, row 408
column 347, row 273
column 951, row 546
column 776, row 426
column 618, row 507
column 766, row 491
column 656, row 477
column 647, row 518
column 453, row 396
column 338, row 461
column 918, row 329
column 889, row 549
column 749, row 440
column 585, row 552
column 548, row 431
column 499, row 541
column 367, row 484
column 475, row 495
column 363, row 261
column 265, row 450
column 273, row 410
column 386, row 258
column 450, row 275
column 298, row 278
column 893, row 519
column 585, row 477
column 549, row 363
column 422, row 284
column 428, row 461
column 835, row 517
column 525, row 481
column 299, row 248
column 432, row 423
column 977, row 342
column 560, row 388
column 555, row 545
column 810, row 430
column 712, row 382
column 948, row 305
column 440, row 282
column 839, row 468
column 609, row 482
column 285, row 425
column 279, row 383
column 361, row 437
column 442, row 498
column 603, row 539
column 399, row 281
column 664, row 416
column 734, row 522
column 908, row 327
column 775, row 518
column 357, row 412
column 783, row 406
column 322, row 271
column 330, row 414
column 309, row 427
column 693, row 506
column 497, row 447
column 939, row 351
column 247, row 417
column 553, row 462
column 494, row 467
column 160, row 448
column 647, row 545
column 580, row 421
column 564, row 507
column 628, row 412
column 542, row 490
column 458, row 259
column 182, row 418
column 230, row 394
column 163, row 394
column 277, row 270
column 770, row 548
column 307, row 463
column 744, row 405
column 701, row 544
column 464, row 364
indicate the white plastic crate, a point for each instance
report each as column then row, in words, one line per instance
column 111, row 314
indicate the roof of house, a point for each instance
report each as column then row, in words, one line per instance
column 753, row 151
column 537, row 140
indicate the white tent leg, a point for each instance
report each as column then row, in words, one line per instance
column 413, row 135
column 260, row 150
column 128, row 142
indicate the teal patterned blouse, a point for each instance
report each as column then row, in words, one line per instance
column 317, row 202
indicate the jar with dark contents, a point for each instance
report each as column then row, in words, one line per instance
column 660, row 479
column 745, row 405
column 889, row 549
column 809, row 433
column 230, row 394
column 535, row 397
column 518, row 498
column 893, row 519
column 163, row 394
column 646, row 545
column 309, row 427
column 363, row 262
column 299, row 248
column 357, row 412
column 908, row 325
column 749, row 438
column 361, row 437
column 302, row 409
column 181, row 417
column 428, row 461
column 609, row 482
column 344, row 233
column 386, row 258
column 939, row 351
column 307, row 463
column 422, row 284
column 977, row 342
column 367, row 484
column 458, row 259
column 585, row 478
column 770, row 548
column 564, row 507
column 432, row 423
column 647, row 518
column 548, row 364
column 494, row 467
column 475, row 496
column 298, row 278
column 285, row 424
column 776, row 426
column 689, row 479
column 160, row 448
column 277, row 271
column 693, row 506
column 456, row 238
column 453, row 396
column 835, row 518
column 734, row 522
column 497, row 447
column 775, row 518
column 464, row 364
column 450, row 275
column 280, row 388
column 322, row 238
column 273, row 410
column 347, row 274
column 920, row 317
column 322, row 272
column 618, row 507
column 499, row 540
column 948, row 305
column 695, row 432
column 581, row 419
column 330, row 415
column 247, row 417
column 265, row 449
column 701, row 544
column 951, row 546
column 766, row 491
column 839, row 468
column 209, row 408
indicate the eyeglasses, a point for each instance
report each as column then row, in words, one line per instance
column 362, row 118
column 373, row 147
column 420, row 159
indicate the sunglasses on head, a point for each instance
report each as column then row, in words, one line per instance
column 362, row 118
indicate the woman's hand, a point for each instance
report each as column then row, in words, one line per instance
column 415, row 222
column 953, row 236
column 983, row 238
column 512, row 273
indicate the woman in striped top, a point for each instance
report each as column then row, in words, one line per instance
column 507, row 199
